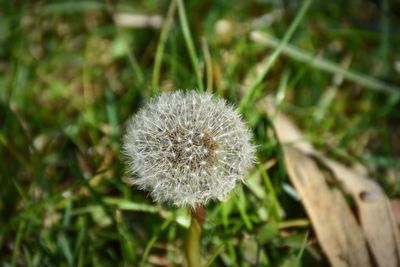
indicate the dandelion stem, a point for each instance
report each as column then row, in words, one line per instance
column 192, row 245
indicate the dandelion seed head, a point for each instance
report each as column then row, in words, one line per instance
column 187, row 148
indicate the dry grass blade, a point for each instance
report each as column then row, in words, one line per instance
column 377, row 221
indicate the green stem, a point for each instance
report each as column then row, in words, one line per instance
column 161, row 44
column 248, row 97
column 189, row 44
column 324, row 64
column 192, row 244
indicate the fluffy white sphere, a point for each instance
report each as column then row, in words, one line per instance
column 187, row 148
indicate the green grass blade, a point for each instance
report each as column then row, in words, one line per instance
column 215, row 255
column 240, row 202
column 324, row 64
column 20, row 233
column 208, row 63
column 65, row 248
column 385, row 35
column 276, row 208
column 125, row 204
column 271, row 60
column 154, row 239
column 161, row 44
column 301, row 252
column 28, row 257
column 189, row 43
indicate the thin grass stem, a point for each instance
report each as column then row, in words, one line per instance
column 208, row 63
column 189, row 44
column 325, row 65
column 271, row 60
column 161, row 44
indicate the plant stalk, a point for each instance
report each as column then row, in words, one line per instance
column 192, row 244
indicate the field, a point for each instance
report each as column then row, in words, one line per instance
column 73, row 72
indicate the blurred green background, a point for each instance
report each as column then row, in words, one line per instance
column 72, row 72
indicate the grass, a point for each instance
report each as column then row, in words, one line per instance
column 70, row 78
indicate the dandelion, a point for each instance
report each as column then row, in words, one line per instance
column 187, row 148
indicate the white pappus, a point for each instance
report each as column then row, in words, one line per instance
column 187, row 148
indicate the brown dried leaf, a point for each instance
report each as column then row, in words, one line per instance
column 339, row 235
column 395, row 205
column 377, row 220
